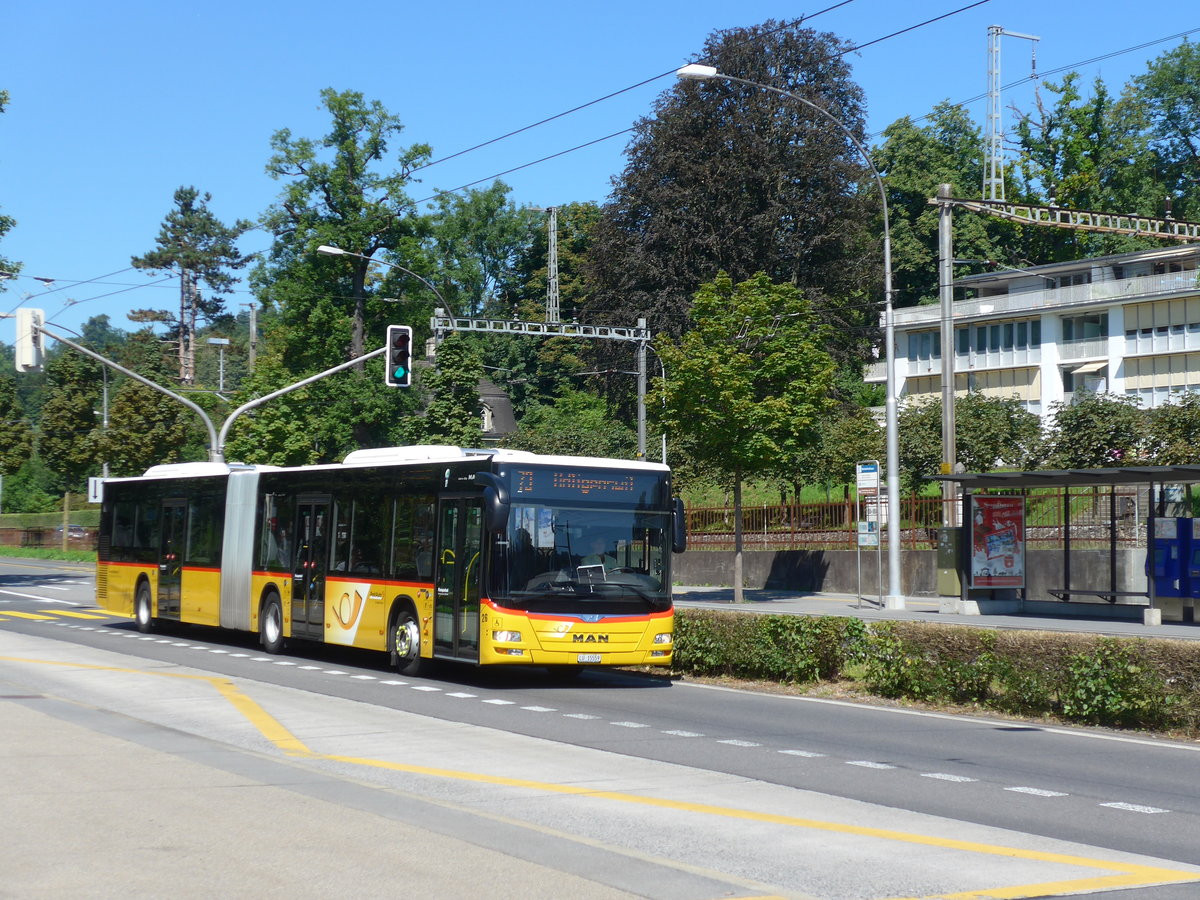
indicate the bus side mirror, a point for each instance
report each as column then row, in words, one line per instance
column 495, row 501
column 679, row 527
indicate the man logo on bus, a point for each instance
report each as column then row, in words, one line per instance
column 589, row 638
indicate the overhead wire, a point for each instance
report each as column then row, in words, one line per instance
column 590, row 103
column 853, row 49
column 1041, row 76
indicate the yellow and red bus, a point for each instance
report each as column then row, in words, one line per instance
column 427, row 552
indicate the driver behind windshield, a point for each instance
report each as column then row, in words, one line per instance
column 597, row 555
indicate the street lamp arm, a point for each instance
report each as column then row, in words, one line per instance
column 697, row 72
column 329, row 250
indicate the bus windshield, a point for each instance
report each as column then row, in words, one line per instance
column 593, row 559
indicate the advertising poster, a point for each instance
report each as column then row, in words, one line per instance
column 998, row 542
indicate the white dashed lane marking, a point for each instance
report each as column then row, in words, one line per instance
column 1035, row 792
column 1133, row 807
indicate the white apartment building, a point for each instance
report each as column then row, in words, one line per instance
column 1125, row 324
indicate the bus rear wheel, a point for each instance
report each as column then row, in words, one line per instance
column 271, row 626
column 406, row 644
column 142, row 609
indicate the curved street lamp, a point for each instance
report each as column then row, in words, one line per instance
column 895, row 598
column 338, row 251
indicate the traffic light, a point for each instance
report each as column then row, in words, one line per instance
column 398, row 372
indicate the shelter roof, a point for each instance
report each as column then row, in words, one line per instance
column 1049, row 478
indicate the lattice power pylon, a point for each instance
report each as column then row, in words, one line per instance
column 993, row 163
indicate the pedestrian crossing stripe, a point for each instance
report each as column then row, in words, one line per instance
column 74, row 615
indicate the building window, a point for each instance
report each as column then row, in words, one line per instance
column 1062, row 281
column 1084, row 328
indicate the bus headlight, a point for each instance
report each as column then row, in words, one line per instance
column 507, row 637
column 662, row 638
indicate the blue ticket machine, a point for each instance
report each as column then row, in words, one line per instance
column 1172, row 550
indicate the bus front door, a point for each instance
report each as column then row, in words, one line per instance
column 173, row 516
column 457, row 563
column 308, row 571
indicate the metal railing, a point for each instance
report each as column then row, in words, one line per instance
column 1094, row 516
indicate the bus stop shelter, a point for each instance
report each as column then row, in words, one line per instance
column 1167, row 540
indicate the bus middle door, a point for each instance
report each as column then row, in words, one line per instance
column 308, row 572
column 173, row 516
column 458, row 561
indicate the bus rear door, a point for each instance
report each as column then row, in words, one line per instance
column 172, row 539
column 457, row 574
column 308, row 572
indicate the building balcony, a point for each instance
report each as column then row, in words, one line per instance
column 1124, row 290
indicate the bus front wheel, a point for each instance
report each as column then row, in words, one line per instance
column 406, row 644
column 142, row 609
column 271, row 626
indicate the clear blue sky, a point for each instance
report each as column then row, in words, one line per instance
column 114, row 106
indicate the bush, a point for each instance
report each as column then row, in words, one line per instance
column 1111, row 685
column 786, row 649
column 1080, row 677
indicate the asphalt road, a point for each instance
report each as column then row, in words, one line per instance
column 615, row 783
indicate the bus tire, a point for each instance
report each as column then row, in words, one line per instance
column 405, row 640
column 270, row 628
column 143, row 609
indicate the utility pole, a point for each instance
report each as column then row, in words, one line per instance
column 552, row 306
column 253, row 332
column 946, row 298
column 185, row 296
column 993, row 164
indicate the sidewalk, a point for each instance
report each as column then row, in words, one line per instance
column 916, row 609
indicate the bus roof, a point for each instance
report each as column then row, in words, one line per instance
column 384, row 456
column 444, row 452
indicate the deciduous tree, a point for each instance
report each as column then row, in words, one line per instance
column 67, row 439
column 728, row 177
column 16, row 434
column 746, row 382
column 453, row 416
column 1095, row 431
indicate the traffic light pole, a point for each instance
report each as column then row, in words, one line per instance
column 246, row 407
column 214, row 452
column 216, row 443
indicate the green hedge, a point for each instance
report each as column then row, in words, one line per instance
column 1126, row 683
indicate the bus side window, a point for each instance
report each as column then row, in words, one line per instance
column 339, row 560
column 412, row 537
column 124, row 531
column 369, row 535
column 276, row 545
column 205, row 526
column 145, row 532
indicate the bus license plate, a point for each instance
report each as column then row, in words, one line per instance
column 588, row 658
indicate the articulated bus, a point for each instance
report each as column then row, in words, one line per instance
column 431, row 552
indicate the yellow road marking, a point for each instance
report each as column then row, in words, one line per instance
column 1131, row 875
column 73, row 615
column 271, row 729
column 23, row 615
